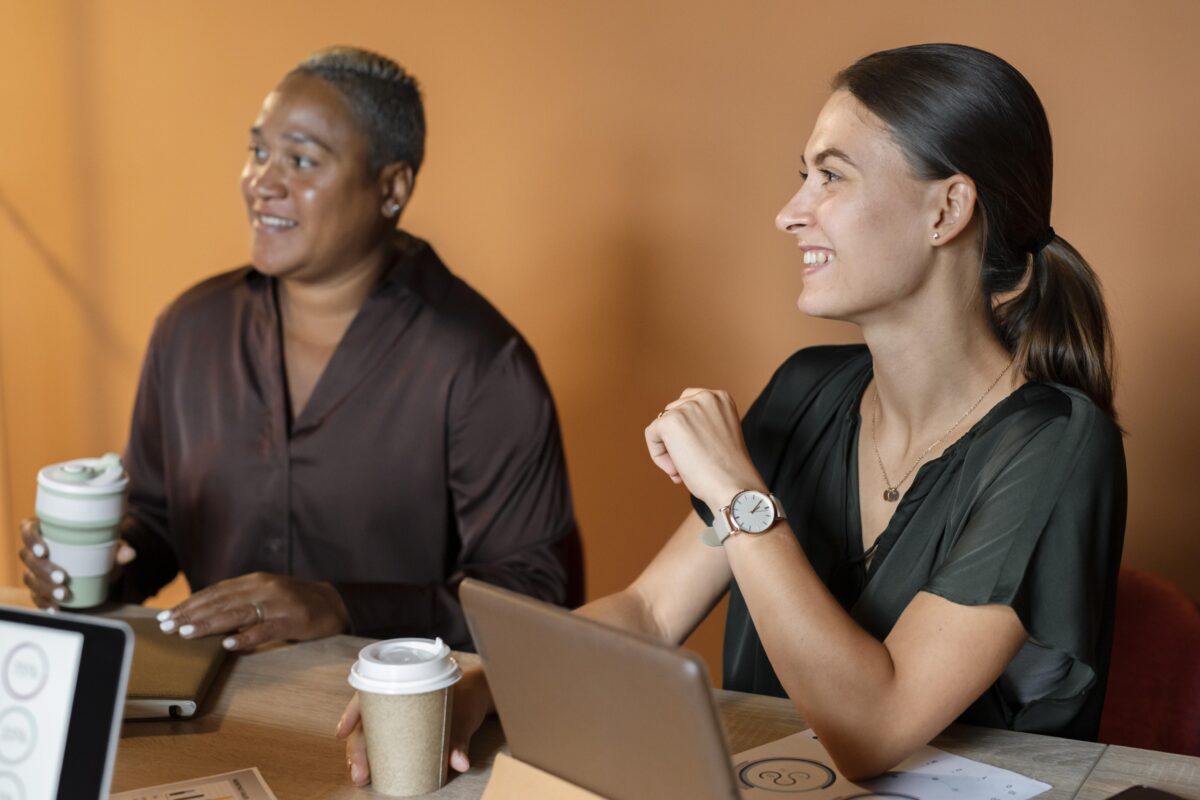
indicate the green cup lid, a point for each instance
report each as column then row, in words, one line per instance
column 88, row 475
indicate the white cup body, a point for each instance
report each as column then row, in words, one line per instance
column 83, row 561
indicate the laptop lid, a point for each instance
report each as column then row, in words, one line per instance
column 618, row 714
column 63, row 679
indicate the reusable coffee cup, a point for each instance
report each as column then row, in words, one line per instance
column 79, row 507
column 404, row 688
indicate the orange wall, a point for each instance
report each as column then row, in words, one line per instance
column 607, row 173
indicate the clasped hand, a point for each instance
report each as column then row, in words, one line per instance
column 697, row 441
column 258, row 608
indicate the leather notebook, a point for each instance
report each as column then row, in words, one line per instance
column 170, row 675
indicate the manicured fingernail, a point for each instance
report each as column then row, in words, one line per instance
column 186, row 630
column 163, row 616
column 356, row 773
column 39, row 550
column 168, row 626
column 59, row 593
column 58, row 576
column 229, row 643
column 51, row 609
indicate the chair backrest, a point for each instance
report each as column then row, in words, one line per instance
column 1153, row 697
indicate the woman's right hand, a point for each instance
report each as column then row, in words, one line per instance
column 472, row 704
column 46, row 580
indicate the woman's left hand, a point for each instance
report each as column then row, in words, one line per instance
column 259, row 608
column 697, row 440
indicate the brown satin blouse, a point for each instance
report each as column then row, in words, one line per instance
column 429, row 451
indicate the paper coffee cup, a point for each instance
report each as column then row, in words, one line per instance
column 404, row 688
column 79, row 507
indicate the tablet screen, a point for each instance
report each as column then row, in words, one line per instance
column 38, row 670
column 62, row 684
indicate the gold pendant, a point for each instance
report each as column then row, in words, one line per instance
column 891, row 494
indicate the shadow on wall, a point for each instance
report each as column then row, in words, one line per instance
column 82, row 297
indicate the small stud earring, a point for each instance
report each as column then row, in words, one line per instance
column 937, row 235
column 393, row 209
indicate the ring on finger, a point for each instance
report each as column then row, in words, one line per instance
column 259, row 614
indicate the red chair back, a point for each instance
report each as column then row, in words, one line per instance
column 1153, row 697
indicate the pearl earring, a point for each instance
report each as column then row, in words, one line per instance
column 937, row 235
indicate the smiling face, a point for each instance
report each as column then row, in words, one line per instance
column 861, row 218
column 314, row 206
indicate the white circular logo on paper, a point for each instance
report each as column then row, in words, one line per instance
column 10, row 787
column 790, row 775
column 25, row 671
column 18, row 735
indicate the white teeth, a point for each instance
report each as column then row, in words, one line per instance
column 817, row 256
column 276, row 222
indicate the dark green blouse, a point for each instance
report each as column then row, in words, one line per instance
column 1026, row 509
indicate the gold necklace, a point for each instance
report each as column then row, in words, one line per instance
column 892, row 493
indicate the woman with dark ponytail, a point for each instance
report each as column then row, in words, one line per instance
column 925, row 528
column 958, row 110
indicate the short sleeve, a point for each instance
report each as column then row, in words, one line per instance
column 1040, row 529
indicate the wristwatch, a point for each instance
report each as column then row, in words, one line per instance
column 750, row 511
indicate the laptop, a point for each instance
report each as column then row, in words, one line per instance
column 63, row 679
column 616, row 713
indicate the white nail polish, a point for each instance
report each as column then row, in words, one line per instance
column 59, row 593
column 39, row 550
column 163, row 616
column 52, row 610
column 186, row 630
column 167, row 626
column 229, row 643
column 58, row 576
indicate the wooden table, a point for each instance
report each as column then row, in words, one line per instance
column 1121, row 767
column 276, row 709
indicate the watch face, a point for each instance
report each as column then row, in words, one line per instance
column 752, row 511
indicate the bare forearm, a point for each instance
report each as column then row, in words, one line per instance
column 841, row 678
column 625, row 610
column 937, row 659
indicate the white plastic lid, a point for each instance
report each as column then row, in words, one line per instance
column 404, row 666
column 103, row 475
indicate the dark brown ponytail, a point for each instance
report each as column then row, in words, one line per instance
column 1057, row 327
column 956, row 110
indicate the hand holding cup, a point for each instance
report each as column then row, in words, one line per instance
column 403, row 718
column 70, row 549
column 472, row 702
column 47, row 581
